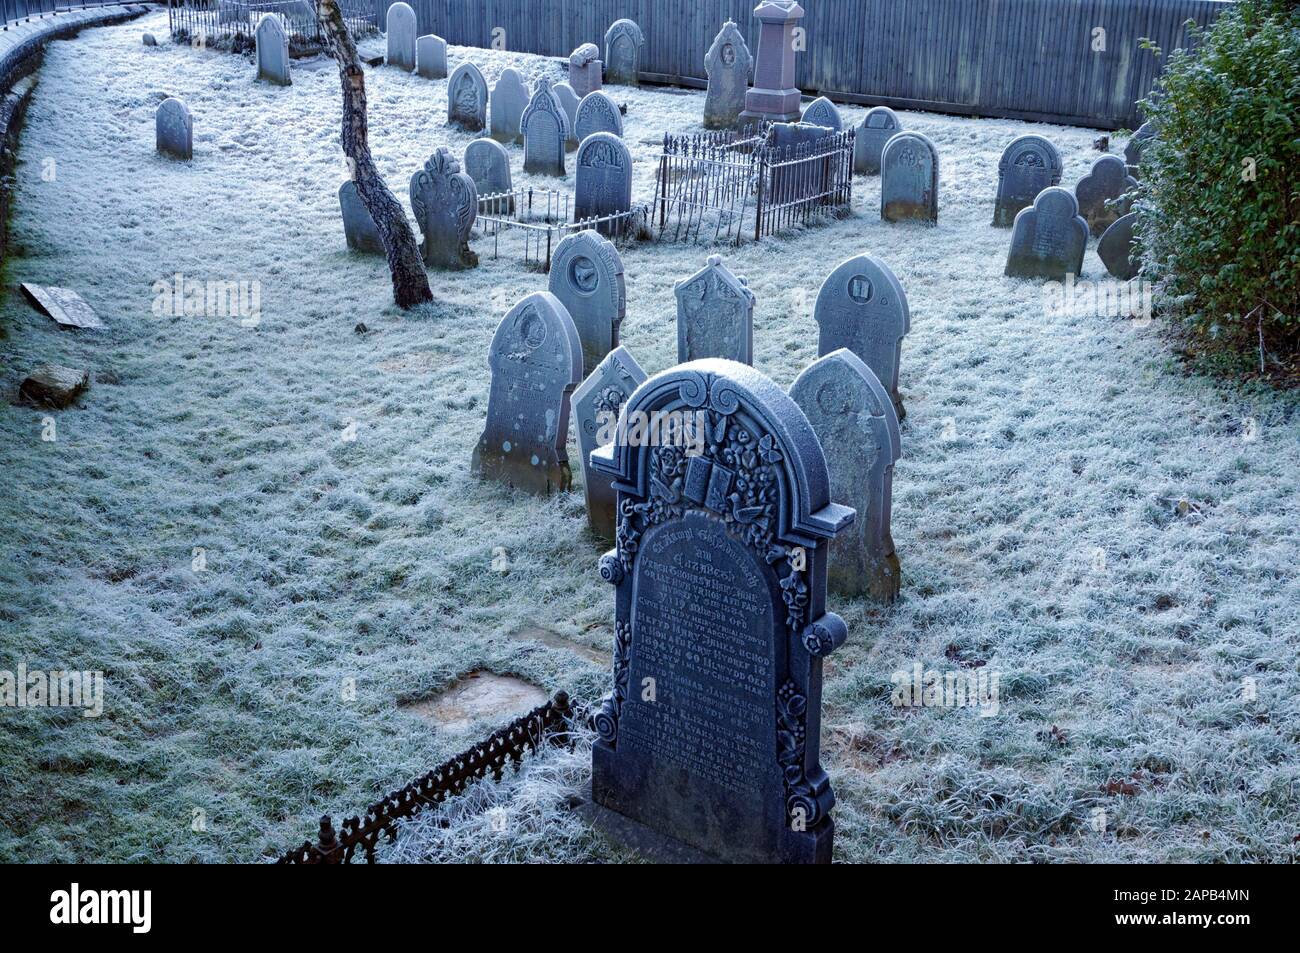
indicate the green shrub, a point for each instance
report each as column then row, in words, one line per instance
column 1219, row 198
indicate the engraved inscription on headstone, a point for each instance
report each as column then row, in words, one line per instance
column 1029, row 165
column 488, row 164
column 545, row 128
column 1100, row 193
column 509, row 99
column 445, row 203
column 879, row 125
column 728, row 65
column 715, row 315
column 1048, row 239
column 587, row 278
column 596, row 404
column 467, row 96
column 909, row 179
column 623, row 43
column 604, row 184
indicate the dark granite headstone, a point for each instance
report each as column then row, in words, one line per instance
column 488, row 164
column 174, row 129
column 536, row 363
column 587, row 278
column 1133, row 151
column 445, row 203
column 358, row 227
column 271, row 50
column 727, row 64
column 467, row 97
column 862, row 306
column 545, row 128
column 1100, row 192
column 853, row 417
column 792, row 183
column 879, row 125
column 1029, row 165
column 711, row 735
column 400, row 36
column 508, row 101
column 822, row 112
column 597, row 113
column 604, row 185
column 623, row 43
column 1048, row 239
column 774, row 97
column 715, row 315
column 909, row 179
column 1117, row 251
column 596, row 404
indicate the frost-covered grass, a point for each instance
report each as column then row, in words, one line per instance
column 1032, row 441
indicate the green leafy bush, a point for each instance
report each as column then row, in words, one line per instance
column 1219, row 198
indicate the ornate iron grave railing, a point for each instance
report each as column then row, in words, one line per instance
column 232, row 23
column 718, row 186
column 539, row 218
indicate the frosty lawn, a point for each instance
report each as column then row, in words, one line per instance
column 1034, row 442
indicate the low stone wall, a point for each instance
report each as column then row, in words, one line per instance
column 22, row 44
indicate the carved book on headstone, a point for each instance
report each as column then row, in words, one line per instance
column 1029, row 165
column 445, row 203
column 596, row 404
column 728, row 65
column 711, row 736
column 715, row 315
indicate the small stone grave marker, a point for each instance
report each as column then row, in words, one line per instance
column 585, row 68
column 879, row 125
column 1117, row 250
column 569, row 103
column 53, row 385
column 822, row 112
column 272, row 45
column 467, row 97
column 358, row 227
column 400, row 32
column 509, row 99
column 1048, row 239
column 598, row 113
column 174, row 129
column 587, row 278
column 1099, row 193
column 909, row 179
column 64, row 305
column 488, row 163
column 431, row 56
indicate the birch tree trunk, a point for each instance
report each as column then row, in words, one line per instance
column 410, row 282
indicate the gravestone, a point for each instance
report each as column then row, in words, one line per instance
column 64, row 305
column 174, row 129
column 1117, row 251
column 822, row 112
column 1133, row 151
column 585, row 67
column 879, row 125
column 431, row 56
column 854, row 419
column 727, row 64
column 1048, row 239
column 272, row 46
column 623, row 43
column 401, row 32
column 774, row 96
column 909, row 179
column 587, row 278
column 597, row 113
column 445, row 203
column 715, row 315
column 488, row 164
column 149, row 39
column 509, row 99
column 1099, row 193
column 358, row 227
column 604, row 184
column 792, row 183
column 536, row 363
column 545, row 128
column 1029, row 165
column 467, row 96
column 596, row 404
column 862, row 306
column 711, row 735
column 569, row 103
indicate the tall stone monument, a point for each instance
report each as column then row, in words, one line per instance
column 775, row 94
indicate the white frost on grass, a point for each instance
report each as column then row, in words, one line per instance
column 1032, row 440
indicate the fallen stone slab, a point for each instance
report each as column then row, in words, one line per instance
column 54, row 385
column 63, row 305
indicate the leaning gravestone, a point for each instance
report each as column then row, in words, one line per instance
column 1100, row 193
column 545, row 128
column 597, row 113
column 822, row 112
column 878, row 126
column 174, row 129
column 909, row 179
column 854, row 420
column 1029, row 165
column 445, row 203
column 401, row 31
column 711, row 735
column 587, row 278
column 596, row 404
column 604, row 185
column 862, row 306
column 569, row 103
column 358, row 227
column 585, row 69
column 623, row 43
column 1049, row 238
column 488, row 164
column 1116, row 248
column 272, row 47
column 727, row 65
column 509, row 99
column 467, row 96
column 536, row 363
column 1133, row 151
column 431, row 56
column 715, row 315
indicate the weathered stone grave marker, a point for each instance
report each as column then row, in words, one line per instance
column 64, row 305
column 623, row 43
column 400, row 32
column 822, row 112
column 1133, row 150
column 1099, row 193
column 727, row 64
column 862, row 306
column 853, row 416
column 1048, row 239
column 53, row 385
column 174, row 129
column 536, row 362
column 711, row 735
column 774, row 96
column 445, row 203
column 587, row 278
column 1029, row 165
column 272, row 50
column 358, row 227
column 597, row 113
column 604, row 185
column 585, row 65
column 715, row 315
column 509, row 100
column 1117, row 250
column 545, row 128
column 569, row 103
column 431, row 56
column 879, row 125
column 596, row 404
column 488, row 163
column 909, row 179
column 467, row 96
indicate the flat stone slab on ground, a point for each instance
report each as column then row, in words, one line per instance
column 63, row 305
column 553, row 640
column 479, row 696
column 54, row 385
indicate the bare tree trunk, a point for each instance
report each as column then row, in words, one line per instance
column 410, row 282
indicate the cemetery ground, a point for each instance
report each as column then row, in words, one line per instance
column 269, row 540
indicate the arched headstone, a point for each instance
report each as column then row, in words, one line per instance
column 715, row 315
column 545, row 128
column 822, row 112
column 1048, row 239
column 604, row 184
column 597, row 113
column 862, row 306
column 596, row 404
column 1133, row 151
column 445, row 203
column 400, row 33
column 879, row 125
column 174, row 129
column 853, row 417
column 358, row 227
column 727, row 64
column 585, row 68
column 467, row 96
column 1029, row 165
column 488, row 164
column 536, row 363
column 431, row 56
column 1117, row 251
column 587, row 278
column 272, row 50
column 711, row 734
column 1100, row 193
column 909, row 179
column 623, row 43
column 569, row 103
column 509, row 99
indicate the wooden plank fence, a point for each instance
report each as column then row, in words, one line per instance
column 1022, row 59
